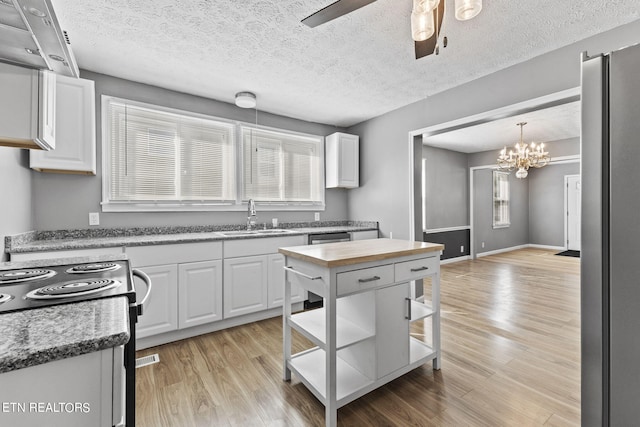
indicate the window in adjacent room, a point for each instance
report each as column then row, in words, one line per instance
column 501, row 199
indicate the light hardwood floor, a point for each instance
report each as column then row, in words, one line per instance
column 510, row 346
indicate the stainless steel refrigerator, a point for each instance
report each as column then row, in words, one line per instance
column 610, row 257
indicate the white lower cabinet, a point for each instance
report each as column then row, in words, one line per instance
column 160, row 312
column 392, row 328
column 186, row 285
column 245, row 285
column 276, row 283
column 199, row 293
column 79, row 391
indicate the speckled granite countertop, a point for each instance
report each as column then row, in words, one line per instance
column 33, row 337
column 39, row 241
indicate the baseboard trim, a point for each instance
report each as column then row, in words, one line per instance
column 515, row 248
column 456, row 259
column 167, row 337
column 552, row 248
column 499, row 251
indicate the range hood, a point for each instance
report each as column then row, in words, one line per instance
column 30, row 36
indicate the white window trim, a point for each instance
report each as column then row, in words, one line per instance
column 493, row 200
column 237, row 205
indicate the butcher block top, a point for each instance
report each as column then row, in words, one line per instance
column 358, row 251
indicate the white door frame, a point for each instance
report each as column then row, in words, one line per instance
column 546, row 101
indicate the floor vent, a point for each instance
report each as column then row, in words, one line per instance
column 147, row 360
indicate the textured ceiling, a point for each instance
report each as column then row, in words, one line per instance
column 546, row 125
column 346, row 71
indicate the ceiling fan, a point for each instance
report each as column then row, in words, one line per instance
column 465, row 9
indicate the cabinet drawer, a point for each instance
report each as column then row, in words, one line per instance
column 416, row 269
column 366, row 278
column 174, row 253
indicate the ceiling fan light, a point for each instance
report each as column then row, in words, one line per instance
column 467, row 9
column 422, row 25
column 422, row 6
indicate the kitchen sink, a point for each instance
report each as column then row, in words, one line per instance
column 254, row 232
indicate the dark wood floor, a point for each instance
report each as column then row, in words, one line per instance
column 511, row 357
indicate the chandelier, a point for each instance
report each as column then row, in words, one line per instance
column 524, row 157
column 423, row 24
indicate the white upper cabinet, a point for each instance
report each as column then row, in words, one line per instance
column 27, row 108
column 75, row 130
column 342, row 160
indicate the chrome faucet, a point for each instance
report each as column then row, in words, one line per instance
column 251, row 214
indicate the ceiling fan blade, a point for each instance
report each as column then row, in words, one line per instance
column 428, row 46
column 333, row 11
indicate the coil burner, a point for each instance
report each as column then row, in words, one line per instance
column 25, row 275
column 93, row 268
column 73, row 288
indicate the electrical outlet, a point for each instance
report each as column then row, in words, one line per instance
column 316, row 216
column 462, row 249
column 483, row 244
column 94, row 218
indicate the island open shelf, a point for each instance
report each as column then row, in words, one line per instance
column 362, row 333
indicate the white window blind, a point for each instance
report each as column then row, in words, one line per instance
column 282, row 167
column 162, row 156
column 501, row 199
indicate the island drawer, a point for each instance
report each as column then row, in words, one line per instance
column 365, row 278
column 416, row 269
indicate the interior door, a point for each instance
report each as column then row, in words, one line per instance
column 573, row 212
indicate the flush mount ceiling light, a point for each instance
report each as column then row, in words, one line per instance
column 524, row 156
column 245, row 100
column 426, row 19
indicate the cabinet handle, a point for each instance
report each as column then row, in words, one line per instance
column 370, row 279
column 413, row 270
column 288, row 268
column 408, row 316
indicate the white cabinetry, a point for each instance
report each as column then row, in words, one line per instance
column 187, row 285
column 75, row 130
column 245, row 285
column 160, row 311
column 73, row 253
column 362, row 334
column 342, row 160
column 93, row 380
column 27, row 107
column 199, row 293
column 253, row 275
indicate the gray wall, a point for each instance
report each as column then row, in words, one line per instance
column 518, row 232
column 546, row 203
column 16, row 216
column 447, row 192
column 64, row 201
column 385, row 174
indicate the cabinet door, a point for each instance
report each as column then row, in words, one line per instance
column 160, row 313
column 199, row 293
column 392, row 328
column 342, row 160
column 75, row 130
column 245, row 285
column 47, row 108
column 276, row 283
